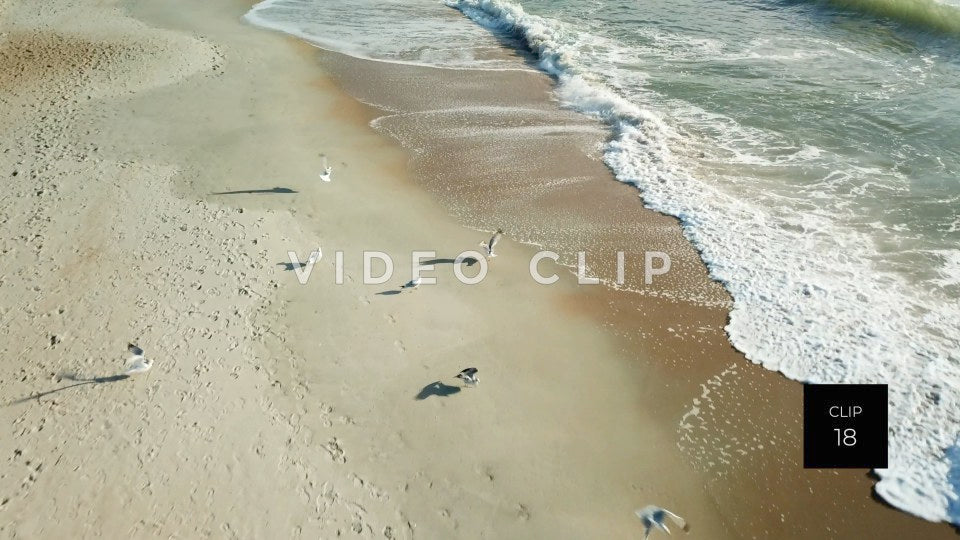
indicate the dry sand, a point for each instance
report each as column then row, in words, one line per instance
column 160, row 159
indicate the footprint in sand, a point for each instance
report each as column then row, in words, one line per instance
column 326, row 498
column 445, row 513
column 485, row 472
column 336, row 451
column 399, row 345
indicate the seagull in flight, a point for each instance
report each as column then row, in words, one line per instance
column 653, row 516
column 137, row 363
column 469, row 376
column 493, row 242
column 412, row 284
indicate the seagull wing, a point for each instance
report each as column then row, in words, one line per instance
column 651, row 516
column 137, row 365
column 682, row 523
column 494, row 239
column 136, row 351
column 657, row 518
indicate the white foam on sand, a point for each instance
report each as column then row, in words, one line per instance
column 811, row 296
column 808, row 299
column 382, row 30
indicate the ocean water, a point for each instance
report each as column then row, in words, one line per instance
column 810, row 148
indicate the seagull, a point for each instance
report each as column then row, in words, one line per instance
column 493, row 242
column 653, row 516
column 315, row 256
column 412, row 284
column 327, row 171
column 469, row 376
column 137, row 363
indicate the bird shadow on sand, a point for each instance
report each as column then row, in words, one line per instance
column 390, row 292
column 469, row 261
column 438, row 389
column 76, row 382
column 256, row 191
column 289, row 266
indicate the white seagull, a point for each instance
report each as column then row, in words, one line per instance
column 327, row 171
column 315, row 256
column 137, row 363
column 653, row 516
column 412, row 284
column 469, row 376
column 493, row 242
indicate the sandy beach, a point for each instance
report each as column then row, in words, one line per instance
column 160, row 161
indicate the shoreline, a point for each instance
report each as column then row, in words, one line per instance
column 307, row 396
column 844, row 484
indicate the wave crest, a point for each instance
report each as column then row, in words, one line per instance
column 921, row 14
column 834, row 338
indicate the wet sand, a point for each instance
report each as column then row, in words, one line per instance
column 160, row 165
column 494, row 148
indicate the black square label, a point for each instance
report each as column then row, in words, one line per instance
column 845, row 426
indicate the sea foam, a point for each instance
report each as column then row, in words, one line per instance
column 813, row 298
column 808, row 301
